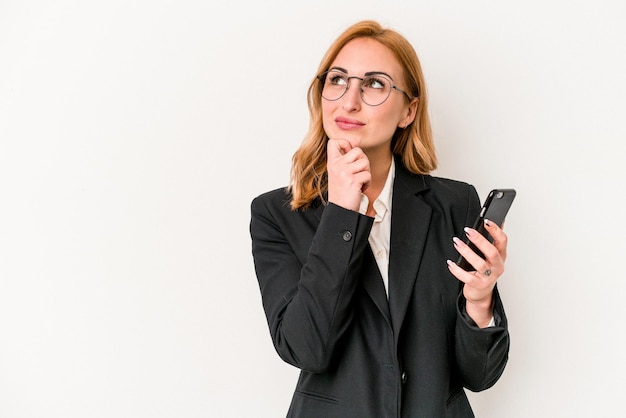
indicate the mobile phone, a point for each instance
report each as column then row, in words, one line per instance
column 496, row 207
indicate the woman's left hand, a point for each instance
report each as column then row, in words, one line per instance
column 479, row 284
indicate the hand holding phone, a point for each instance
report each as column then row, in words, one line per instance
column 496, row 207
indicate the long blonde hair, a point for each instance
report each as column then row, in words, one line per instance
column 414, row 144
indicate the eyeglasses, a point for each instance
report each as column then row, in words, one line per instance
column 374, row 88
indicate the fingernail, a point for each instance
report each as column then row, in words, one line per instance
column 456, row 241
column 450, row 263
column 468, row 231
column 488, row 222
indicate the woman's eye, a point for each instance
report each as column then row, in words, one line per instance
column 337, row 80
column 374, row 83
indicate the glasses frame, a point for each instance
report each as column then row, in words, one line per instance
column 322, row 79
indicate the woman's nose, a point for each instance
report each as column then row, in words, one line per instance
column 351, row 99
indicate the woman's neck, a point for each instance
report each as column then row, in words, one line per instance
column 379, row 168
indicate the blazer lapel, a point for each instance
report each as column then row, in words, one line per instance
column 373, row 284
column 410, row 221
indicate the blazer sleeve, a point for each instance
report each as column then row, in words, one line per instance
column 307, row 304
column 481, row 353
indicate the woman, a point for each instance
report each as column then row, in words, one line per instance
column 353, row 257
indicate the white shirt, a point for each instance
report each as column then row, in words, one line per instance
column 380, row 235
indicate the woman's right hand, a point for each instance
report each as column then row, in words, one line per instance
column 348, row 173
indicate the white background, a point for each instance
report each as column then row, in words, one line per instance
column 135, row 133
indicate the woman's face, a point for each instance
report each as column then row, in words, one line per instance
column 350, row 118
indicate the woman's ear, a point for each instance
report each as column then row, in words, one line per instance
column 410, row 115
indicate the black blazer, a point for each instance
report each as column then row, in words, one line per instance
column 361, row 354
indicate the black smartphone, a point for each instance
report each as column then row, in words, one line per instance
column 496, row 207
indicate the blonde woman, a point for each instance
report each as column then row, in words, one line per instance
column 353, row 257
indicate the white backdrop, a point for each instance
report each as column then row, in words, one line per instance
column 135, row 133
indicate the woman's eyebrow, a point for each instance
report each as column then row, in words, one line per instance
column 369, row 73
column 378, row 73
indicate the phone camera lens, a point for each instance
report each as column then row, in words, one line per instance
column 499, row 195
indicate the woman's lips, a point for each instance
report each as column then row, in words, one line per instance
column 348, row 124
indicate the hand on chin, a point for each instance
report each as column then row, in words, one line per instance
column 354, row 140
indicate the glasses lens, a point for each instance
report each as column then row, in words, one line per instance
column 375, row 89
column 335, row 85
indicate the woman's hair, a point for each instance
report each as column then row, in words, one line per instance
column 414, row 144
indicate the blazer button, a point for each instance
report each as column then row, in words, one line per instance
column 404, row 377
column 347, row 236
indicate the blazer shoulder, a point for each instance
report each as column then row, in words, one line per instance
column 276, row 202
column 449, row 184
column 268, row 209
column 441, row 188
column 279, row 200
column 452, row 190
column 276, row 197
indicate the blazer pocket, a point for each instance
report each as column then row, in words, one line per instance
column 317, row 397
column 454, row 395
column 457, row 405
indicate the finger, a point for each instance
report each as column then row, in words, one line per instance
column 352, row 162
column 357, row 160
column 483, row 244
column 357, row 165
column 476, row 261
column 364, row 178
column 477, row 287
column 337, row 147
column 500, row 239
column 459, row 273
